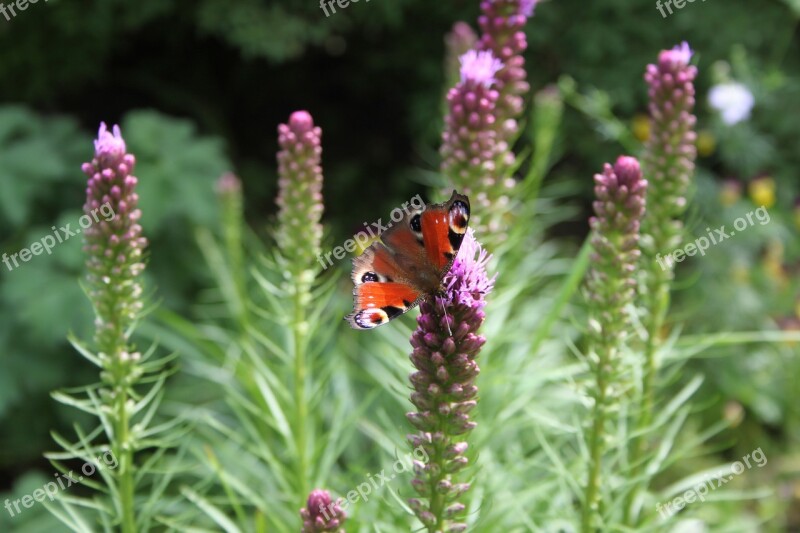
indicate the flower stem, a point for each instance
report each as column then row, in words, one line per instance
column 125, row 457
column 658, row 306
column 591, row 507
column 611, row 288
column 298, row 236
column 301, row 408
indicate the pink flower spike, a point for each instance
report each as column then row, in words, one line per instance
column 301, row 122
column 109, row 147
column 680, row 55
column 479, row 67
column 322, row 514
column 526, row 8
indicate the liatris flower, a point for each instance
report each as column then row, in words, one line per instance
column 115, row 246
column 669, row 158
column 321, row 514
column 610, row 287
column 501, row 23
column 471, row 153
column 229, row 185
column 459, row 41
column 229, row 192
column 670, row 151
column 299, row 237
column 300, row 190
column 444, row 386
column 619, row 208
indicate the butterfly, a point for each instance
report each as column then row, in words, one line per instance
column 409, row 262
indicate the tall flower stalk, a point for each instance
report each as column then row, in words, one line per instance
column 611, row 289
column 444, row 387
column 501, row 23
column 471, row 151
column 229, row 192
column 299, row 237
column 115, row 248
column 668, row 164
column 482, row 124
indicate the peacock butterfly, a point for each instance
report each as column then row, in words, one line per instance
column 409, row 262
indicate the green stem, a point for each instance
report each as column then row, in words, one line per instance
column 301, row 409
column 657, row 309
column 605, row 347
column 119, row 370
column 121, row 443
column 126, row 484
column 591, row 505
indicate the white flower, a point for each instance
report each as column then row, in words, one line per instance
column 733, row 100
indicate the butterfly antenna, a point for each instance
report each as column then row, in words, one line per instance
column 447, row 322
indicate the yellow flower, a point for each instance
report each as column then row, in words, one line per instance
column 641, row 127
column 706, row 143
column 730, row 192
column 762, row 191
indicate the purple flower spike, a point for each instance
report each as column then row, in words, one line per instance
column 679, row 56
column 321, row 514
column 668, row 162
column 471, row 150
column 484, row 109
column 479, row 68
column 446, row 344
column 619, row 208
column 114, row 243
column 299, row 199
column 670, row 151
column 501, row 23
column 610, row 289
column 526, row 8
column 229, row 183
column 109, row 148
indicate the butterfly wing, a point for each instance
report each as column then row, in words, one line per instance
column 443, row 229
column 392, row 276
column 381, row 291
